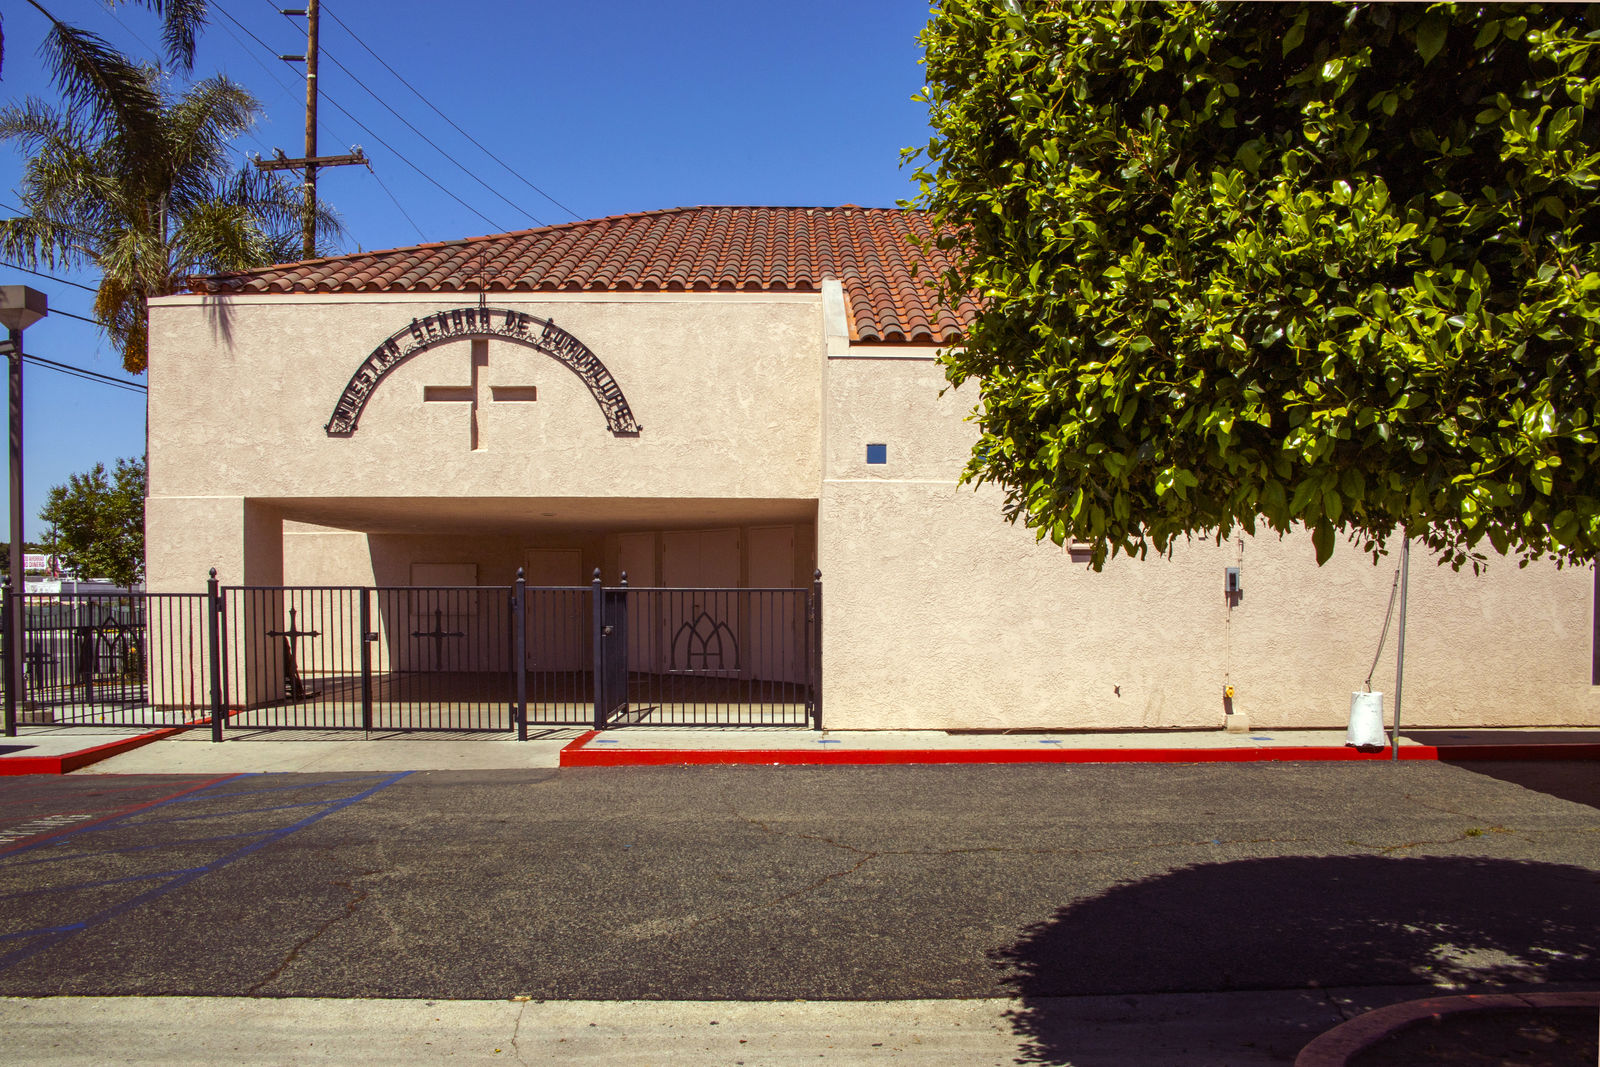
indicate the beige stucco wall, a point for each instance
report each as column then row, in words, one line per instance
column 940, row 614
column 724, row 386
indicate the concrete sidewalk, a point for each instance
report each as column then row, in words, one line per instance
column 1241, row 1029
column 140, row 750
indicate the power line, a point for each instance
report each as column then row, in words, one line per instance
column 508, row 168
column 495, row 226
column 420, row 235
column 428, row 141
column 270, row 72
column 425, row 175
column 85, row 373
column 80, row 318
column 42, row 274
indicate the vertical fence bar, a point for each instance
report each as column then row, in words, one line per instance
column 367, row 637
column 214, row 643
column 599, row 650
column 815, row 669
column 519, row 653
column 10, row 643
column 222, row 616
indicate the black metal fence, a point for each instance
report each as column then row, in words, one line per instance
column 97, row 659
column 483, row 658
column 707, row 656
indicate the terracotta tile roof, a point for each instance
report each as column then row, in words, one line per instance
column 692, row 249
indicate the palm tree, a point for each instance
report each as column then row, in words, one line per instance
column 181, row 22
column 138, row 184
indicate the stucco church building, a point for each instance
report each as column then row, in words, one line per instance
column 738, row 397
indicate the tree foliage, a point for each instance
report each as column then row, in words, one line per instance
column 1293, row 263
column 98, row 522
column 139, row 184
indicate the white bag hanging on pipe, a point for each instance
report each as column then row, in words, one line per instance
column 1366, row 721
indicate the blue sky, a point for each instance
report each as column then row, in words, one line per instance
column 601, row 108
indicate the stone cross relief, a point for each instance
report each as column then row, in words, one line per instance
column 468, row 394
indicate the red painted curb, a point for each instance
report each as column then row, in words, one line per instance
column 573, row 756
column 580, row 754
column 72, row 761
column 1336, row 1047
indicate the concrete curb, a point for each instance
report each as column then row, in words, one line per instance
column 580, row 754
column 72, row 761
column 1336, row 1047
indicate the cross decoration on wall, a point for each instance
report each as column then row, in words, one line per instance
column 468, row 394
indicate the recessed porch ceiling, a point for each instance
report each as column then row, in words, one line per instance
column 433, row 515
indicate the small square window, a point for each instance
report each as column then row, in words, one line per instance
column 877, row 453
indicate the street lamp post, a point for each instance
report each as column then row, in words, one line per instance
column 20, row 307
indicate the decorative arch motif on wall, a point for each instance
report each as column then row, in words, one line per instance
column 473, row 323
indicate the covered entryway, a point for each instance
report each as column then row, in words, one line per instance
column 495, row 615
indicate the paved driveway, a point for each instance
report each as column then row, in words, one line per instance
column 773, row 884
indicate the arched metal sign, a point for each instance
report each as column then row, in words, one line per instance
column 471, row 323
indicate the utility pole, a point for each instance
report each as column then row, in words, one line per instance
column 20, row 307
column 310, row 161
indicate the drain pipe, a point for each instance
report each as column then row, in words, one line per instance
column 1400, row 660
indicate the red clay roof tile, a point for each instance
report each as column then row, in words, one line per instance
column 728, row 249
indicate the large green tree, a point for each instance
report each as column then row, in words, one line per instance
column 1286, row 263
column 139, row 184
column 97, row 522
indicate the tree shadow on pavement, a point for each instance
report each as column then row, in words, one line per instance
column 1444, row 924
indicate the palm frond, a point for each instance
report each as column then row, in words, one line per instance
column 141, row 186
column 94, row 76
column 181, row 23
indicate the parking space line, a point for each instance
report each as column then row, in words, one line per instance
column 7, row 851
column 118, row 910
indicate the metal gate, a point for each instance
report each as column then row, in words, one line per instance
column 499, row 658
column 698, row 657
column 468, row 658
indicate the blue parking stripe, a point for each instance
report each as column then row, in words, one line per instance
column 128, row 850
column 99, row 825
column 69, row 928
column 50, row 941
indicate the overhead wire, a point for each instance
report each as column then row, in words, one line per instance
column 513, row 205
column 67, row 368
column 424, row 174
column 80, row 318
column 85, row 373
column 257, row 61
column 42, row 274
column 420, row 235
column 274, row 76
column 150, row 49
column 420, row 96
column 398, row 155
